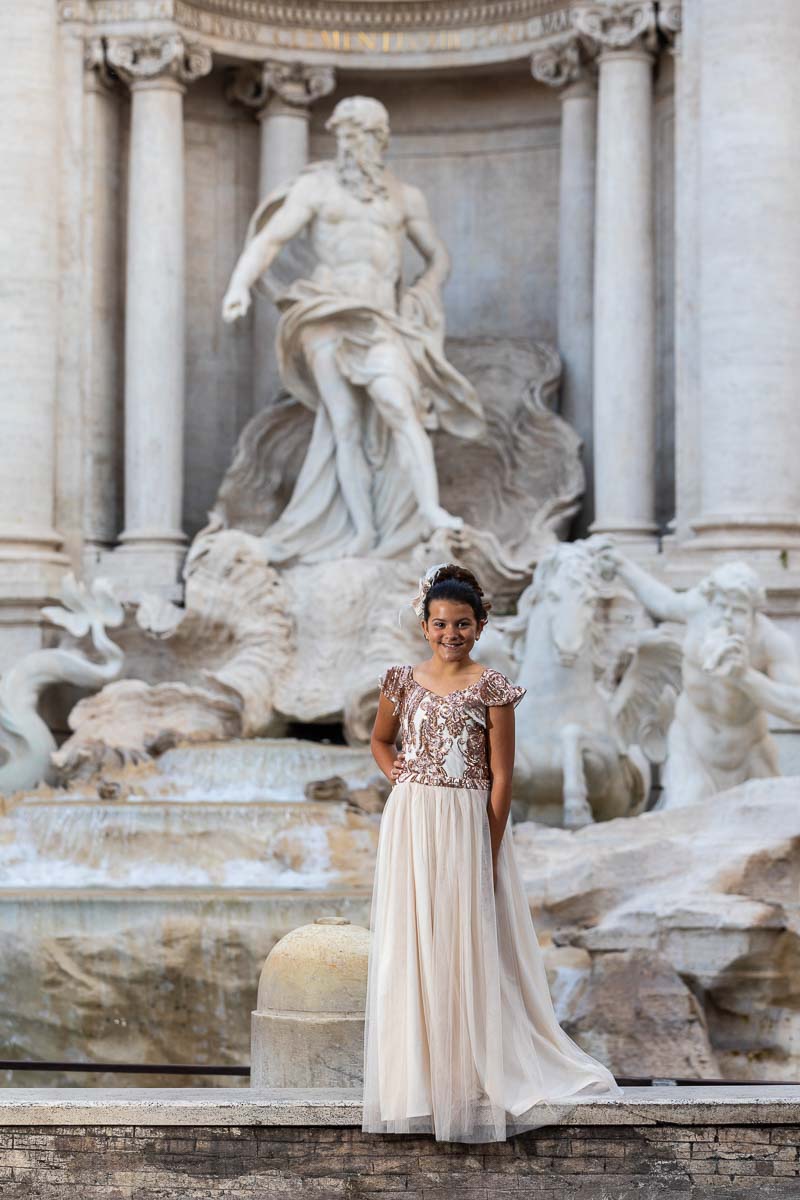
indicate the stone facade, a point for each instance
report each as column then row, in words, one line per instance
column 587, row 162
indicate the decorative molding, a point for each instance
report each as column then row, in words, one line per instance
column 617, row 24
column 413, row 32
column 382, row 33
column 331, row 14
column 562, row 64
column 297, row 84
column 138, row 60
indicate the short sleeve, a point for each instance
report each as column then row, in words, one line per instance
column 393, row 683
column 496, row 690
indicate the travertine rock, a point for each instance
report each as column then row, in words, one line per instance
column 635, row 1011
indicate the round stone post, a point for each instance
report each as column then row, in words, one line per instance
column 281, row 95
column 749, row 315
column 562, row 66
column 156, row 70
column 308, row 1027
column 30, row 562
column 624, row 277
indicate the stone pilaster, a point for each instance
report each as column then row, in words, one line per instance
column 623, row 34
column 31, row 561
column 157, row 70
column 281, row 95
column 749, row 306
column 563, row 65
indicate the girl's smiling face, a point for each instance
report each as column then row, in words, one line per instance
column 452, row 629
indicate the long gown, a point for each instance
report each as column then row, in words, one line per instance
column 461, row 1039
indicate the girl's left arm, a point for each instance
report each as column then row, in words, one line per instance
column 500, row 727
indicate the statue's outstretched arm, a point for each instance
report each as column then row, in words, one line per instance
column 661, row 601
column 289, row 220
column 777, row 690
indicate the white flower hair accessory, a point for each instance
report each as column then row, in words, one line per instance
column 425, row 584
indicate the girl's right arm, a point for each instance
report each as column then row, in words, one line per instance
column 384, row 738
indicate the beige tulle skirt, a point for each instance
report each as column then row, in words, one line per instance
column 461, row 1038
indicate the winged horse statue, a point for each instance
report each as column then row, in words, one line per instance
column 585, row 744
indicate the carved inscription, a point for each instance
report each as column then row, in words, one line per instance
column 452, row 28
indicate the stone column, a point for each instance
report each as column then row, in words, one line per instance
column 281, row 94
column 157, row 70
column 624, row 279
column 101, row 309
column 749, row 316
column 30, row 558
column 563, row 66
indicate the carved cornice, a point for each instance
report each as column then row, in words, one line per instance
column 297, row 84
column 617, row 24
column 329, row 14
column 563, row 64
column 376, row 34
column 140, row 60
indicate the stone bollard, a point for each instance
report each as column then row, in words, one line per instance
column 308, row 1028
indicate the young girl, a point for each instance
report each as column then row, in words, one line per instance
column 461, row 1039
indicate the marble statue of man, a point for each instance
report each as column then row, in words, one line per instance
column 737, row 667
column 363, row 353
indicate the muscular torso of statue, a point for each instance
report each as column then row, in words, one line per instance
column 716, row 713
column 358, row 243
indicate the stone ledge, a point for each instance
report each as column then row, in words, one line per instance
column 746, row 1106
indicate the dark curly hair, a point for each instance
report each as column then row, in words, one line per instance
column 457, row 583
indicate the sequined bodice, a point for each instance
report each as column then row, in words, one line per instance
column 444, row 737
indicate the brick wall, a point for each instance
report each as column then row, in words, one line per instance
column 593, row 1162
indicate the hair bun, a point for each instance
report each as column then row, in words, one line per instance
column 462, row 575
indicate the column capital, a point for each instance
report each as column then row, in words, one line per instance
column 670, row 22
column 97, row 75
column 157, row 60
column 564, row 64
column 296, row 84
column 617, row 25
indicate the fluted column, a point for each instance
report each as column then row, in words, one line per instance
column 564, row 67
column 281, row 94
column 624, row 279
column 749, row 314
column 157, row 70
column 30, row 559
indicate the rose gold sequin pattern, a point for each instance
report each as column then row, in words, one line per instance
column 444, row 737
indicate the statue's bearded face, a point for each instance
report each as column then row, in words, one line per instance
column 731, row 612
column 359, row 160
